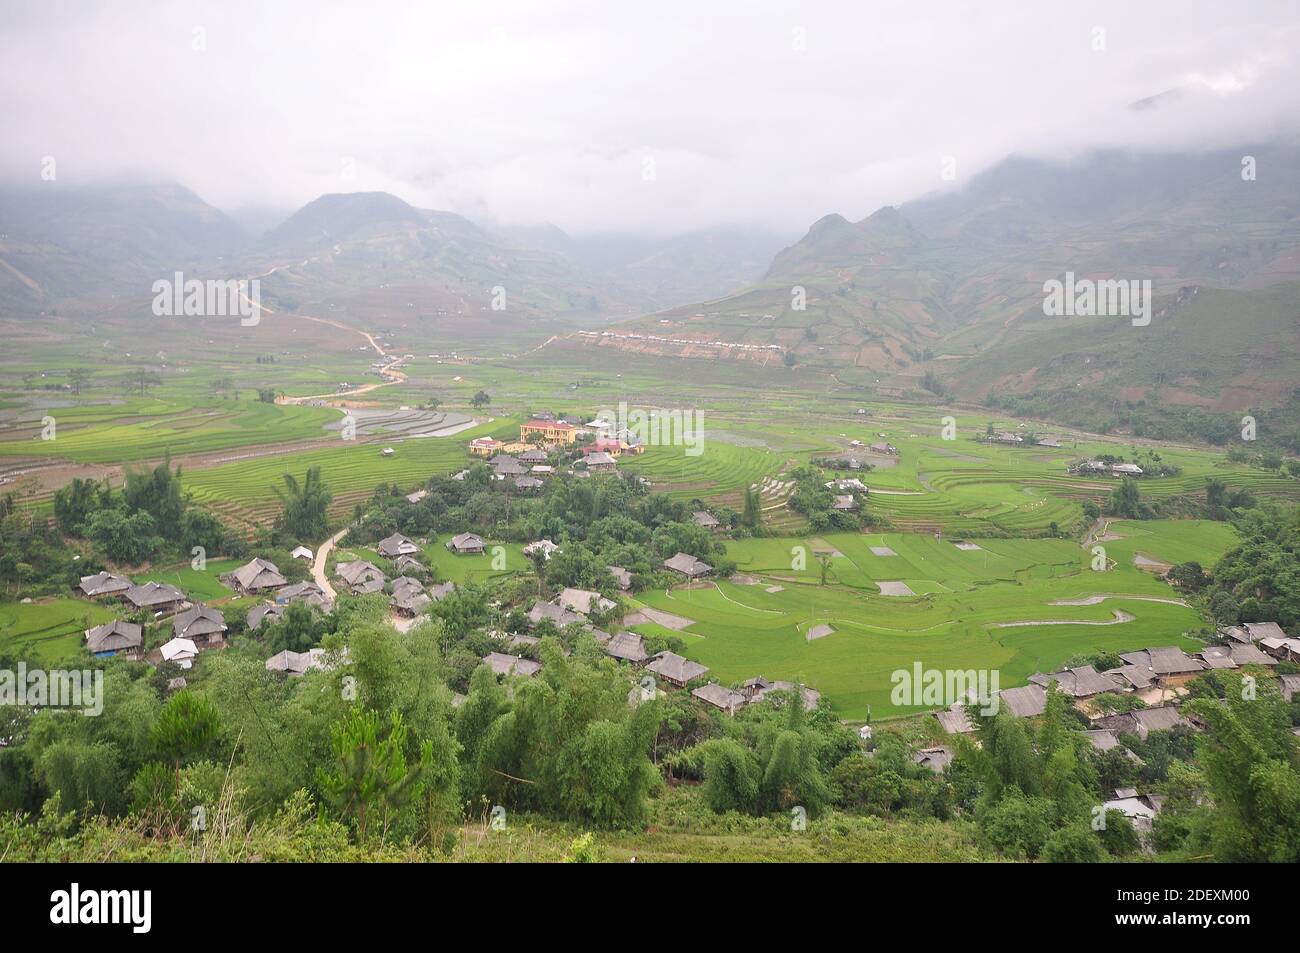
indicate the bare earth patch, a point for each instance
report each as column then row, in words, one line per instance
column 775, row 589
column 882, row 551
column 1149, row 564
column 666, row 619
column 820, row 631
column 1120, row 618
column 895, row 589
column 967, row 547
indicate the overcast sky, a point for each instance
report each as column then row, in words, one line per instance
column 643, row 117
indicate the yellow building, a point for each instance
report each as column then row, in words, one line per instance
column 550, row 431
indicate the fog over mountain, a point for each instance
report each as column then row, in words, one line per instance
column 660, row 120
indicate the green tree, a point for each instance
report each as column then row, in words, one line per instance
column 370, row 774
column 306, row 505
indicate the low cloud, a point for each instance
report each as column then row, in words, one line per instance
column 604, row 117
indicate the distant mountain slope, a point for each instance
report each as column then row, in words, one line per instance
column 1208, row 356
column 57, row 241
column 953, row 275
column 663, row 272
column 341, row 217
column 376, row 261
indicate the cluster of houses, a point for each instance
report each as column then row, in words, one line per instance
column 1100, row 467
column 1156, row 677
column 408, row 595
column 526, row 462
column 195, row 627
column 575, row 606
column 1018, row 440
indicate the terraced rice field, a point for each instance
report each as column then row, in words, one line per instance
column 718, row 475
column 146, row 429
column 52, row 628
column 245, row 493
column 960, row 617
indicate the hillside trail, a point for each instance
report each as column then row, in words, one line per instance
column 322, row 558
column 388, row 371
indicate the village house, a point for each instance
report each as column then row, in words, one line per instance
column 1252, row 631
column 307, row 592
column 528, row 484
column 484, row 446
column 1049, row 440
column 441, row 590
column 104, row 585
column 543, row 546
column 268, row 612
column 302, row 552
column 886, row 448
column 1283, row 649
column 677, row 670
column 936, row 758
column 295, row 663
column 504, row 664
column 408, row 598
column 845, row 503
column 719, row 697
column 416, row 496
column 627, row 647
column 1082, row 682
column 1170, row 665
column 955, row 720
column 180, row 652
column 706, row 520
column 848, row 485
column 505, row 467
column 396, row 545
column 156, row 597
column 759, row 688
column 1289, row 685
column 533, row 456
column 466, row 544
column 556, row 613
column 601, row 462
column 257, row 575
column 204, row 626
column 622, row 578
column 405, row 564
column 584, row 601
column 1143, row 721
column 1126, row 469
column 1234, row 655
column 1133, row 677
column 1140, row 809
column 1027, row 701
column 688, row 566
column 361, row 576
column 115, row 638
column 548, row 431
